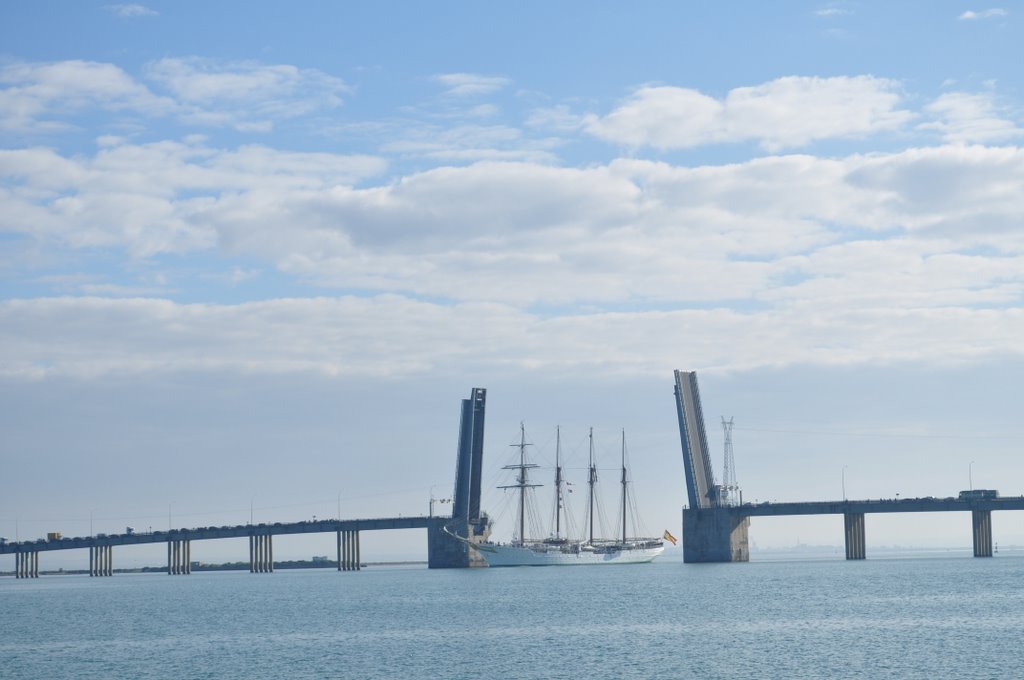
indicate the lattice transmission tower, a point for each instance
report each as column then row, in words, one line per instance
column 730, row 490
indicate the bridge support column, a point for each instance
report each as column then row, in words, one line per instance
column 715, row 535
column 101, row 560
column 348, row 550
column 855, row 535
column 261, row 554
column 981, row 521
column 27, row 564
column 179, row 557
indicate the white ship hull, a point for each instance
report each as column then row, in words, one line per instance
column 540, row 555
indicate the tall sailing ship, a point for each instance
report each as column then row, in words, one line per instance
column 558, row 548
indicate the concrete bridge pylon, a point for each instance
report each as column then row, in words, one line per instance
column 450, row 540
column 712, row 530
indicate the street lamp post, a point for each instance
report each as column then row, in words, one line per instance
column 844, row 482
column 436, row 500
column 970, row 476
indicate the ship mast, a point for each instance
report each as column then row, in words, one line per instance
column 521, row 481
column 558, row 483
column 624, row 486
column 591, row 482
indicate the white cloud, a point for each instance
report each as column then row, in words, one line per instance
column 470, row 84
column 153, row 198
column 482, row 111
column 970, row 15
column 462, row 143
column 784, row 113
column 964, row 117
column 394, row 336
column 35, row 94
column 130, row 11
column 776, row 230
column 832, row 12
column 558, row 118
column 248, row 96
column 968, row 193
column 204, row 80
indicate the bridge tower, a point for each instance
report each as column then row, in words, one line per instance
column 712, row 531
column 467, row 521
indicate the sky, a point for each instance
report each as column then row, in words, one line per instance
column 253, row 256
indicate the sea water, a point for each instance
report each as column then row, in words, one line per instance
column 950, row 617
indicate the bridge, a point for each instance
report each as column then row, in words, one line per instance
column 716, row 526
column 443, row 549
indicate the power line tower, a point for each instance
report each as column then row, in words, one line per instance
column 730, row 493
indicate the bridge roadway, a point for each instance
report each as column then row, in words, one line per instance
column 928, row 504
column 178, row 542
column 853, row 513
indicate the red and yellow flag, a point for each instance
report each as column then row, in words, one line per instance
column 669, row 537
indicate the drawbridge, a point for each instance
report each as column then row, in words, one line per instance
column 716, row 521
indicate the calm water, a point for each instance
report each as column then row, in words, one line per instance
column 908, row 618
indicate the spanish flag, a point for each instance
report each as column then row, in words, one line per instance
column 669, row 537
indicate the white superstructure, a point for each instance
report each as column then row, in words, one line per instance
column 540, row 554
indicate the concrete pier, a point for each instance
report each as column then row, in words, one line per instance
column 261, row 554
column 715, row 535
column 179, row 557
column 855, row 535
column 27, row 564
column 348, row 551
column 101, row 560
column 981, row 521
column 445, row 551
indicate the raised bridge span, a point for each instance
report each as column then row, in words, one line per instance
column 716, row 530
column 444, row 550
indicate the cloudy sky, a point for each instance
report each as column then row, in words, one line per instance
column 252, row 257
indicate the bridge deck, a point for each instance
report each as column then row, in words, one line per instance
column 237, row 531
column 879, row 506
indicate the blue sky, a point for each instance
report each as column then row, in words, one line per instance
column 230, row 235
